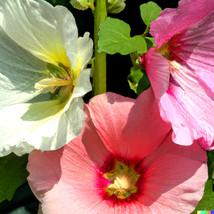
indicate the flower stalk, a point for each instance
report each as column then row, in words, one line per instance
column 99, row 68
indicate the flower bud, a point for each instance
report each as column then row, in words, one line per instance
column 115, row 6
column 82, row 4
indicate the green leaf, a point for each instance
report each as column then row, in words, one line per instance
column 13, row 174
column 150, row 42
column 114, row 37
column 138, row 81
column 210, row 163
column 207, row 202
column 149, row 12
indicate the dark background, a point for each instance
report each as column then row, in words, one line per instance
column 118, row 68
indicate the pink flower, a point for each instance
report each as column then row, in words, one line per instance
column 181, row 70
column 123, row 162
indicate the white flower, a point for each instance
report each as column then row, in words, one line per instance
column 42, row 76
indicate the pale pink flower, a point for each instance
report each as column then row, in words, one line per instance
column 181, row 70
column 123, row 162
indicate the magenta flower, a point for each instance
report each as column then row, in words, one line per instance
column 123, row 162
column 181, row 70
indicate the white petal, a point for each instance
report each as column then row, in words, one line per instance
column 84, row 54
column 84, row 50
column 82, row 83
column 40, row 28
column 19, row 71
column 39, row 126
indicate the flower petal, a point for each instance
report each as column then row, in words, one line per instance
column 185, row 110
column 174, row 178
column 42, row 125
column 55, row 27
column 109, row 113
column 192, row 74
column 84, row 53
column 70, row 170
column 164, row 27
column 193, row 47
column 119, row 122
column 19, row 71
column 84, row 49
column 82, row 84
column 157, row 69
column 145, row 128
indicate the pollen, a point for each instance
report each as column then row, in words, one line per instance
column 123, row 180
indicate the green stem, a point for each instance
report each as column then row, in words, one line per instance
column 146, row 31
column 99, row 71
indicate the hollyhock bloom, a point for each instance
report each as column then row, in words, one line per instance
column 40, row 54
column 181, row 69
column 123, row 162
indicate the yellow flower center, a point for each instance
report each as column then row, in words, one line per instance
column 123, row 180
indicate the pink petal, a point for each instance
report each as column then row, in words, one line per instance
column 92, row 141
column 75, row 164
column 194, row 47
column 145, row 129
column 157, row 69
column 174, row 178
column 73, row 198
column 69, row 185
column 191, row 115
column 109, row 113
column 189, row 102
column 127, row 130
column 172, row 21
column 45, row 173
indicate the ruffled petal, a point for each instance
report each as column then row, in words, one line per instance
column 192, row 74
column 82, row 84
column 172, row 21
column 84, row 50
column 84, row 53
column 186, row 111
column 40, row 28
column 42, row 125
column 19, row 71
column 173, row 178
